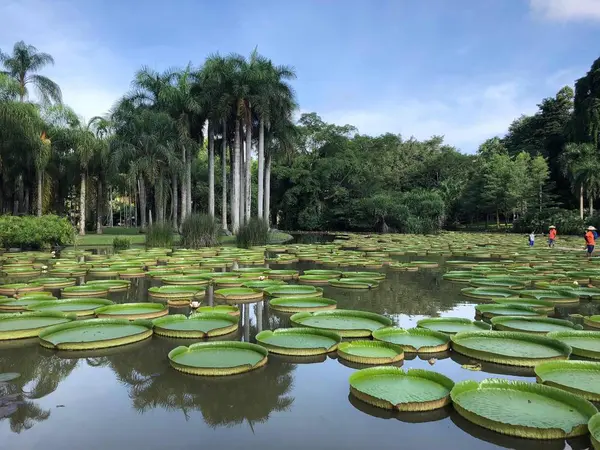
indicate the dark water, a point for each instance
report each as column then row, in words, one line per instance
column 130, row 398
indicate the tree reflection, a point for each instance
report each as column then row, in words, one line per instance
column 40, row 375
column 223, row 401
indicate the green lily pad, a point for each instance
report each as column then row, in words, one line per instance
column 239, row 294
column 261, row 284
column 592, row 321
column 452, row 325
column 84, row 291
column 584, row 343
column 509, row 283
column 79, row 307
column 579, row 377
column 232, row 310
column 364, row 275
column 396, row 389
column 111, row 285
column 414, row 340
column 541, row 306
column 370, row 352
column 132, row 311
column 299, row 304
column 218, row 358
column 487, row 292
column 299, row 341
column 293, row 291
column 316, row 279
column 494, row 310
column 539, row 325
column 178, row 292
column 324, row 273
column 200, row 325
column 54, row 282
column 354, row 283
column 594, row 427
column 347, row 323
column 517, row 408
column 29, row 324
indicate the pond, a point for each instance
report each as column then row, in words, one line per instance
column 130, row 397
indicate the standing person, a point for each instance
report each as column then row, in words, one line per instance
column 590, row 240
column 551, row 236
column 531, row 239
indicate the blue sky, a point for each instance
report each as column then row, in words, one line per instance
column 459, row 68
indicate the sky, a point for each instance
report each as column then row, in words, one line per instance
column 464, row 69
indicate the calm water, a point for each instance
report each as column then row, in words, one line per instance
column 130, row 398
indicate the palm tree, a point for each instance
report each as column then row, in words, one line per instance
column 572, row 161
column 587, row 172
column 22, row 66
column 101, row 165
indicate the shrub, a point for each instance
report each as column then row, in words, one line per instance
column 121, row 243
column 159, row 234
column 254, row 232
column 35, row 232
column 200, row 230
column 566, row 221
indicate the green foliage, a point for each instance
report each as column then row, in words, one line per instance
column 200, row 230
column 120, row 243
column 254, row 232
column 118, row 231
column 159, row 234
column 35, row 232
column 566, row 221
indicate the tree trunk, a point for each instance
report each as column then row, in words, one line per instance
column 142, row 193
column 211, row 169
column 224, row 176
column 235, row 207
column 110, row 207
column 248, row 179
column 242, row 176
column 268, row 189
column 99, row 207
column 581, row 202
column 188, row 180
column 174, row 198
column 591, row 200
column 183, row 187
column 26, row 203
column 82, row 204
column 261, row 169
column 158, row 200
column 39, row 193
column 497, row 219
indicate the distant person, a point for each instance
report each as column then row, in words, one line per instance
column 551, row 236
column 590, row 240
column 531, row 239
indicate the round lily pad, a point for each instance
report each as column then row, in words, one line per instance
column 239, row 294
column 452, row 325
column 261, row 284
column 324, row 273
column 29, row 324
column 20, row 288
column 84, row 291
column 315, row 279
column 95, row 334
column 232, row 310
column 364, row 275
column 509, row 347
column 345, row 322
column 517, row 408
column 55, row 282
column 200, row 325
column 396, row 389
column 579, row 377
column 218, row 358
column 541, row 306
column 282, row 274
column 228, row 282
column 508, row 283
column 10, row 304
column 370, row 352
column 584, row 343
column 592, row 321
column 354, row 283
column 557, row 297
column 8, row 376
column 413, row 340
column 487, row 292
column 299, row 341
column 594, row 427
column 177, row 292
column 132, row 311
column 538, row 325
column 493, row 310
column 299, row 304
column 294, row 291
column 111, row 285
column 80, row 307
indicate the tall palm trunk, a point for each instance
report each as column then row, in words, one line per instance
column 248, row 165
column 211, row 169
column 268, row 189
column 591, row 201
column 99, row 207
column 82, row 188
column 183, row 186
column 242, row 174
column 581, row 201
column 142, row 193
column 159, row 200
column 224, row 176
column 188, row 180
column 235, row 207
column 110, row 208
column 261, row 168
column 174, row 197
column 39, row 193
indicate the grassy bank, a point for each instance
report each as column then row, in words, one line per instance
column 140, row 239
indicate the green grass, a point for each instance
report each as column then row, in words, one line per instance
column 92, row 240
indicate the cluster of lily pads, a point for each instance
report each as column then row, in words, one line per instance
column 518, row 290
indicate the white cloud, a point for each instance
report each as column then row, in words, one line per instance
column 90, row 75
column 466, row 115
column 567, row 10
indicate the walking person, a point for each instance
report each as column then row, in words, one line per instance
column 551, row 236
column 531, row 239
column 590, row 240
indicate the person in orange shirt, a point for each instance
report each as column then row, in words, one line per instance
column 551, row 236
column 590, row 240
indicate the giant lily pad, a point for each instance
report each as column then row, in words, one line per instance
column 20, row 288
column 541, row 306
column 510, row 348
column 370, row 352
column 232, row 310
column 298, row 304
column 29, row 324
column 54, row 282
column 200, row 325
column 239, row 294
column 177, row 292
column 354, row 283
column 84, row 291
column 261, row 284
column 345, row 322
column 378, row 276
column 538, row 325
column 324, row 273
column 487, row 292
column 509, row 283
column 396, row 389
column 283, row 274
column 95, row 334
column 315, row 279
column 132, row 311
column 557, row 297
column 111, row 285
column 218, row 358
column 493, row 310
column 594, row 427
column 522, row 409
column 414, row 340
column 583, row 343
column 579, row 377
column 452, row 325
column 21, row 304
column 592, row 321
column 80, row 307
column 294, row 291
column 299, row 341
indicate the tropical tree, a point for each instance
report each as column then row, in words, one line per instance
column 575, row 164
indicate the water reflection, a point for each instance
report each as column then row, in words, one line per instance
column 409, row 417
